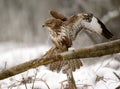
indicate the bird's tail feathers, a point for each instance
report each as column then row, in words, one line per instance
column 107, row 34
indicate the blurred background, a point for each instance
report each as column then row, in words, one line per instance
column 22, row 37
column 21, row 20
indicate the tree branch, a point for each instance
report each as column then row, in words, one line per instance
column 92, row 51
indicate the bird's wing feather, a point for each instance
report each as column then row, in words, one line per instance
column 73, row 24
column 105, row 31
column 96, row 26
column 57, row 15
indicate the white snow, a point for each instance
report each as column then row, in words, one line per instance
column 97, row 76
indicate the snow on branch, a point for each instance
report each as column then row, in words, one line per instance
column 92, row 51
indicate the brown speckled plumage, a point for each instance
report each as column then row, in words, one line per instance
column 63, row 31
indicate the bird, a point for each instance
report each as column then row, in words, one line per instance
column 64, row 30
column 62, row 39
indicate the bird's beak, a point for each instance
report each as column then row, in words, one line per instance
column 43, row 25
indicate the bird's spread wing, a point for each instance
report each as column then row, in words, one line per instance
column 105, row 32
column 96, row 26
column 73, row 24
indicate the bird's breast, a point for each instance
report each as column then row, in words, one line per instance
column 61, row 38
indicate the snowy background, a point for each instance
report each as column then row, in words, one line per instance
column 22, row 38
column 99, row 75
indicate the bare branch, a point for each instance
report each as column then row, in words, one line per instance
column 92, row 51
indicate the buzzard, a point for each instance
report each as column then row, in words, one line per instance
column 63, row 31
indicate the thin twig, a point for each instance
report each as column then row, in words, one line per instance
column 43, row 82
column 117, row 75
column 24, row 82
column 34, row 79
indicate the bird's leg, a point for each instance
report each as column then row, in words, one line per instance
column 68, row 68
column 58, row 66
column 49, row 52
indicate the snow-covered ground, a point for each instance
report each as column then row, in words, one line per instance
column 99, row 75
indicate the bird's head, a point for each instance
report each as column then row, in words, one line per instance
column 52, row 23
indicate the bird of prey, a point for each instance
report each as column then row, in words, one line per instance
column 62, row 36
column 64, row 30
